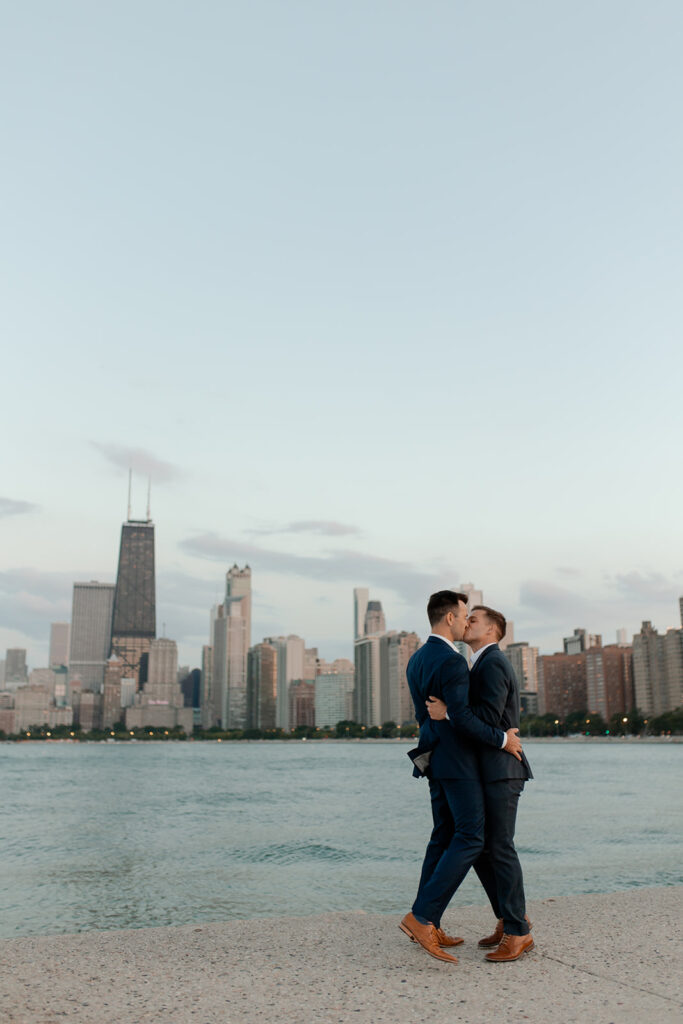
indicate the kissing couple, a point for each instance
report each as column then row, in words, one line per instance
column 469, row 742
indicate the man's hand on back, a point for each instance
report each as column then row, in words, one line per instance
column 513, row 744
column 436, row 709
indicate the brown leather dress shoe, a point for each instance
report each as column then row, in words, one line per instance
column 496, row 935
column 427, row 936
column 494, row 938
column 448, row 940
column 511, row 948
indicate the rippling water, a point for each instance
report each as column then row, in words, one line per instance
column 132, row 835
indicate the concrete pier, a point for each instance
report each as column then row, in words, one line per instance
column 607, row 959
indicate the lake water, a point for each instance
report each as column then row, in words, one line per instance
column 132, row 835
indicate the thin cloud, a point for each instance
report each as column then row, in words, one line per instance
column 639, row 587
column 322, row 527
column 550, row 599
column 12, row 507
column 332, row 566
column 30, row 600
column 139, row 460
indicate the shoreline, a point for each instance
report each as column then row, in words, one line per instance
column 609, row 958
column 338, row 739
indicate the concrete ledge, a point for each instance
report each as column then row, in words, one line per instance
column 608, row 959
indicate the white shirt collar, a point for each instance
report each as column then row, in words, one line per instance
column 477, row 654
column 445, row 640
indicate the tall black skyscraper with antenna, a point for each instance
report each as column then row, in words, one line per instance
column 134, row 618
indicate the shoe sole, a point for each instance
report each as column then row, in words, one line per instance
column 443, row 959
column 511, row 959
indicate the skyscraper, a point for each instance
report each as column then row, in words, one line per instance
column 374, row 619
column 396, row 650
column 524, row 661
column 261, row 686
column 360, row 605
column 474, row 596
column 290, row 666
column 16, row 672
column 134, row 621
column 91, row 615
column 206, row 686
column 367, row 688
column 160, row 702
column 334, row 693
column 60, row 633
column 231, row 641
column 658, row 669
column 609, row 675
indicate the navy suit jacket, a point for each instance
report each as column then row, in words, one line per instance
column 436, row 670
column 494, row 697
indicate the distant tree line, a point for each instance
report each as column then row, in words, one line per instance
column 578, row 722
column 634, row 723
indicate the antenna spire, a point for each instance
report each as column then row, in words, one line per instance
column 149, row 499
column 130, row 483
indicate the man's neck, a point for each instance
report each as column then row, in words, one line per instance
column 445, row 633
column 476, row 645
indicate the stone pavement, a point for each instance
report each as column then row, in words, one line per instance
column 613, row 959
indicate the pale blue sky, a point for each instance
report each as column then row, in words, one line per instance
column 386, row 294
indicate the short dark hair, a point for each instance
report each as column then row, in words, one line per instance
column 441, row 603
column 497, row 618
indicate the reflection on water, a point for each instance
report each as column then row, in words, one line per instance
column 132, row 835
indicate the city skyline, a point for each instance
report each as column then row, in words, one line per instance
column 341, row 648
column 295, row 246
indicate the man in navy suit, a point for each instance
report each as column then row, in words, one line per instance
column 437, row 670
column 494, row 698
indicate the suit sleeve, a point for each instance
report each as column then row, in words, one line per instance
column 455, row 680
column 492, row 692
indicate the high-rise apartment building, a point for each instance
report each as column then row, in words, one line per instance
column 31, row 707
column 290, row 666
column 562, row 684
column 310, row 664
column 134, row 619
column 160, row 702
column 649, row 671
column 509, row 637
column 474, row 596
column 673, row 668
column 334, row 693
column 208, row 716
column 261, row 686
column 367, row 705
column 16, row 671
column 112, row 712
column 658, row 670
column 60, row 635
column 609, row 680
column 43, row 677
column 163, row 663
column 524, row 661
column 360, row 606
column 301, row 704
column 231, row 643
column 581, row 641
column 396, row 650
column 91, row 619
column 374, row 619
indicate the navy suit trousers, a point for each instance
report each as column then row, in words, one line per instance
column 456, row 842
column 498, row 866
